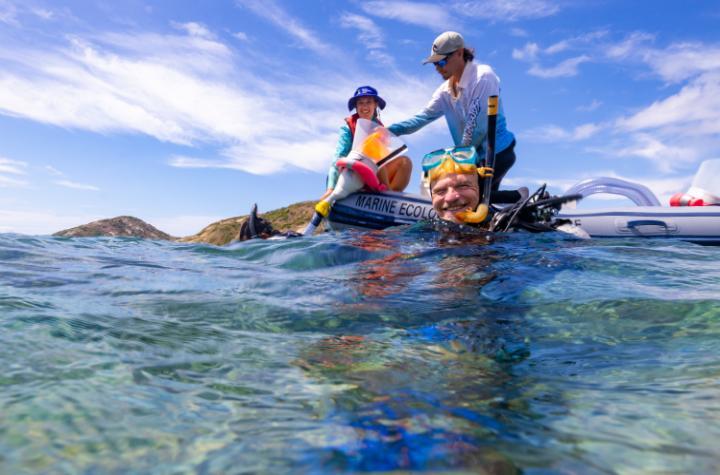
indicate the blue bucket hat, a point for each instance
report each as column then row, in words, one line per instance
column 365, row 91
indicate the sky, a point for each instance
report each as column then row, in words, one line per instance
column 182, row 113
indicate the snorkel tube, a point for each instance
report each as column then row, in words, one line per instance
column 373, row 147
column 482, row 212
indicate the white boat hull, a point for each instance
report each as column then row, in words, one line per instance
column 648, row 219
column 699, row 224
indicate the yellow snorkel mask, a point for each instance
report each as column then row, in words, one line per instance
column 461, row 161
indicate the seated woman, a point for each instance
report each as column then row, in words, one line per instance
column 365, row 101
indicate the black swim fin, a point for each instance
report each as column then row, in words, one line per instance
column 256, row 227
column 252, row 221
column 248, row 229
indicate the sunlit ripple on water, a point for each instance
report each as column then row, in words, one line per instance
column 401, row 349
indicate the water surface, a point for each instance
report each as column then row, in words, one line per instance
column 406, row 349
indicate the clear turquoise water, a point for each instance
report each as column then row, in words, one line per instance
column 406, row 349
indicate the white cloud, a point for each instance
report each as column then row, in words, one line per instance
column 8, row 13
column 590, row 107
column 260, row 157
column 677, row 131
column 682, row 61
column 696, row 107
column 669, row 155
column 183, row 161
column 53, row 171
column 13, row 168
column 534, row 54
column 43, row 13
column 76, row 186
column 185, row 89
column 507, row 10
column 528, row 53
column 311, row 149
column 585, row 131
column 369, row 35
column 676, row 63
column 673, row 133
column 545, row 134
column 196, row 91
column 312, row 155
column 629, row 46
column 194, row 29
column 553, row 133
column 453, row 14
column 10, row 182
column 558, row 47
column 11, row 12
column 666, row 157
column 430, row 15
column 518, row 32
column 242, row 36
column 566, row 68
column 274, row 13
column 95, row 88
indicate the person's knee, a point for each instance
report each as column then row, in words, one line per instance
column 400, row 173
column 403, row 166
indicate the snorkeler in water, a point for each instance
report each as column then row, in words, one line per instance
column 457, row 195
column 256, row 227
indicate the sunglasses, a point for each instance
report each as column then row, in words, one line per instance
column 460, row 155
column 442, row 62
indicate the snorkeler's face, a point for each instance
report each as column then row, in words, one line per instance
column 454, row 193
column 365, row 107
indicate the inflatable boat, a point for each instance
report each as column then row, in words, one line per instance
column 694, row 217
column 646, row 219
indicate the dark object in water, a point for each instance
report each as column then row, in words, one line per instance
column 256, row 227
column 535, row 213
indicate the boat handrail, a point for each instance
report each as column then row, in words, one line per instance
column 637, row 193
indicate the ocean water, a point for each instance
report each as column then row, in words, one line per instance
column 406, row 349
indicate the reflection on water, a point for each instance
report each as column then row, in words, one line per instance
column 407, row 349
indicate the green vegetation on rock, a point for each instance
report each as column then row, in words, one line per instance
column 290, row 218
column 120, row 226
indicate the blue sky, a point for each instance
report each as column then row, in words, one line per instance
column 182, row 113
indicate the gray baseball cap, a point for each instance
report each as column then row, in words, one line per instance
column 445, row 44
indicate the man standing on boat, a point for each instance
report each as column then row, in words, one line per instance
column 463, row 99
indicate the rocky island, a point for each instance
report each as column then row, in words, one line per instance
column 293, row 217
column 121, row 226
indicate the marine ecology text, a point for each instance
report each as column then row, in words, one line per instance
column 398, row 208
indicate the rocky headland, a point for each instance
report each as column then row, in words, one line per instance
column 121, row 226
column 290, row 218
